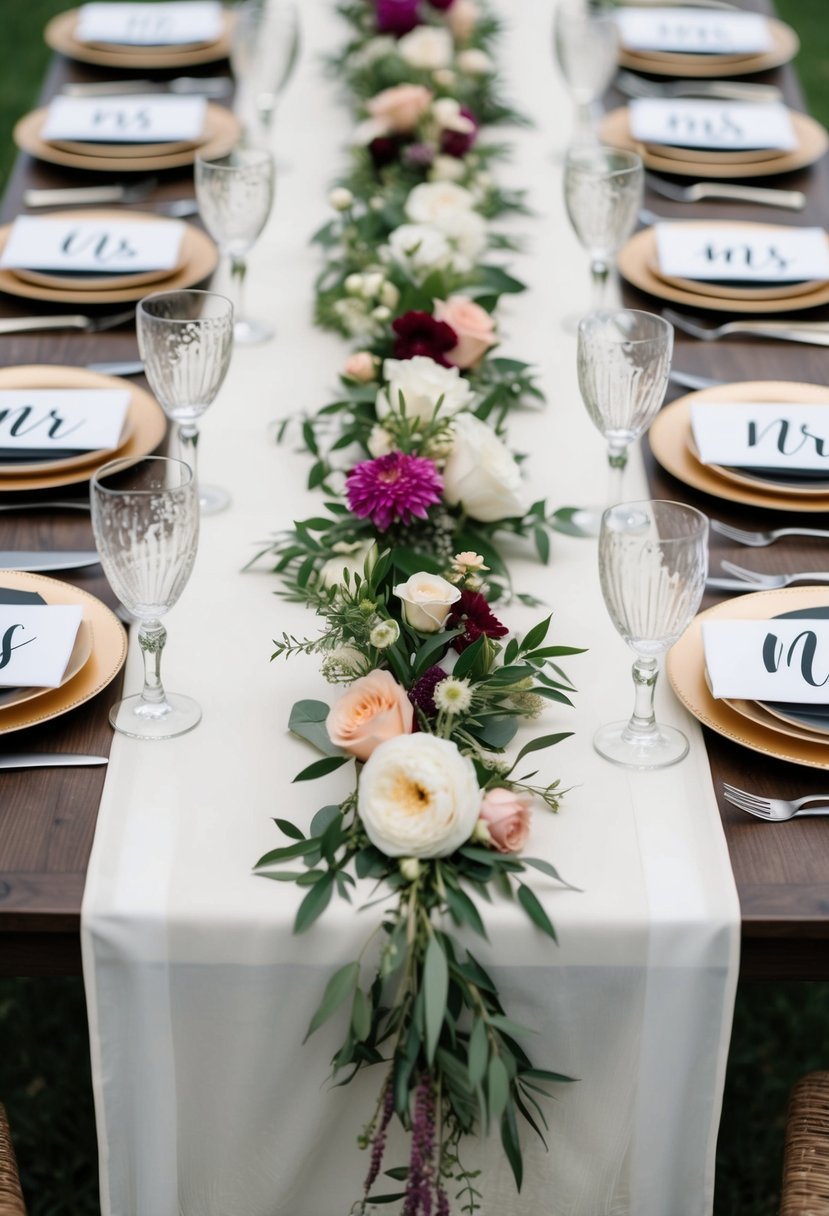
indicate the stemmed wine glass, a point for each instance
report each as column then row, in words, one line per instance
column 653, row 561
column 603, row 193
column 186, row 340
column 235, row 196
column 624, row 360
column 263, row 55
column 586, row 41
column 145, row 517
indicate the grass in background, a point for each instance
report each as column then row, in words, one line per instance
column 780, row 1030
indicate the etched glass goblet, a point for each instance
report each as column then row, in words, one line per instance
column 145, row 517
column 186, row 340
column 586, row 43
column 653, row 562
column 603, row 193
column 235, row 197
column 264, row 52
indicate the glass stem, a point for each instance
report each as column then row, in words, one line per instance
column 617, row 458
column 238, row 270
column 151, row 638
column 188, row 441
column 643, row 721
column 599, row 275
column 584, row 130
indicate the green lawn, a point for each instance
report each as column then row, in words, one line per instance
column 780, row 1030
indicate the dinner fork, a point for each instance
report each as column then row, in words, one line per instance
column 771, row 582
column 814, row 333
column 726, row 90
column 88, row 325
column 759, row 540
column 774, row 810
column 791, row 200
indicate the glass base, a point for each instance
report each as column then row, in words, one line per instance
column 212, row 499
column 586, row 521
column 141, row 719
column 616, row 743
column 252, row 333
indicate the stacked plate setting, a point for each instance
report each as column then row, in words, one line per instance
column 651, row 54
column 61, row 35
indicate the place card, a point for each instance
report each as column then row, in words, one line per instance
column 140, row 119
column 754, row 254
column 102, row 246
column 49, row 419
column 729, row 126
column 136, row 24
column 762, row 435
column 694, row 31
column 775, row 660
column 36, row 641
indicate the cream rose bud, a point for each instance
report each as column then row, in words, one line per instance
column 340, row 198
column 473, row 325
column 398, row 110
column 375, row 708
column 421, row 383
column 418, row 797
column 426, row 47
column 447, row 169
column 361, row 366
column 481, row 474
column 434, row 202
column 447, row 113
column 380, row 441
column 427, row 600
column 474, row 62
column 389, row 294
column 463, row 17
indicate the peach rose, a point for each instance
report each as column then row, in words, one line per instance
column 463, row 17
column 361, row 366
column 374, row 709
column 507, row 819
column 473, row 325
column 398, row 110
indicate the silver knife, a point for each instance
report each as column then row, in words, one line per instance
column 125, row 368
column 687, row 380
column 48, row 760
column 731, row 584
column 34, row 561
column 75, row 196
column 186, row 86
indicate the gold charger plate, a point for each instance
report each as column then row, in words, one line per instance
column 60, row 36
column 812, row 142
column 639, row 254
column 198, row 258
column 785, row 45
column 145, row 417
column 712, row 156
column 96, row 457
column 686, row 672
column 108, row 150
column 109, row 650
column 95, row 282
column 670, row 431
column 727, row 291
column 221, row 133
column 80, row 654
column 755, row 712
column 755, row 480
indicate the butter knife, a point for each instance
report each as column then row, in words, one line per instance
column 35, row 562
column 48, row 760
column 116, row 368
column 182, row 86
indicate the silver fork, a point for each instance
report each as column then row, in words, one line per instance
column 727, row 90
column 774, row 810
column 813, row 333
column 770, row 582
column 88, row 325
column 791, row 200
column 759, row 540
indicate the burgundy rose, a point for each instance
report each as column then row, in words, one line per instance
column 443, row 5
column 475, row 615
column 418, row 333
column 384, row 151
column 458, row 143
column 396, row 16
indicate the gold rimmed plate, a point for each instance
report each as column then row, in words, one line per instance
column 686, row 672
column 60, row 36
column 785, row 45
column 723, row 290
column 109, row 150
column 81, row 652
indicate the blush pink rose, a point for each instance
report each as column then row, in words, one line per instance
column 473, row 325
column 398, row 110
column 507, row 817
column 374, row 709
column 361, row 366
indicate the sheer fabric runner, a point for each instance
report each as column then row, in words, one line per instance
column 199, row 995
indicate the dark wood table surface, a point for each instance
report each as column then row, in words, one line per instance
column 47, row 817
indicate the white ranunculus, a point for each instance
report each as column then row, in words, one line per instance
column 422, row 383
column 433, row 202
column 350, row 557
column 420, row 246
column 418, row 797
column 427, row 601
column 426, row 47
column 481, row 474
column 447, row 114
column 466, row 231
column 475, row 63
column 447, row 169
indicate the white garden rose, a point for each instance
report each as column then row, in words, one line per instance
column 447, row 114
column 426, row 47
column 481, row 473
column 418, row 797
column 349, row 556
column 419, row 247
column 427, row 601
column 422, row 383
column 475, row 63
column 434, row 202
column 466, row 231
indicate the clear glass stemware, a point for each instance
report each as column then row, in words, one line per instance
column 653, row 561
column 603, row 193
column 264, row 51
column 145, row 517
column 186, row 340
column 235, row 197
column 586, row 42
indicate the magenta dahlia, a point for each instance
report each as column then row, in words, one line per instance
column 475, row 615
column 419, row 333
column 393, row 488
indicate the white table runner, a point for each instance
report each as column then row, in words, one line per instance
column 198, row 993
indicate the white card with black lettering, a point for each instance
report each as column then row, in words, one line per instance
column 140, row 119
column 137, row 24
column 36, row 641
column 755, row 254
column 56, row 419
column 103, row 246
column 762, row 435
column 774, row 660
column 694, row 31
column 730, row 126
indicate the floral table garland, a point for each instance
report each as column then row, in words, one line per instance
column 403, row 568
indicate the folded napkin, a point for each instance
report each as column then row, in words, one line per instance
column 57, row 422
column 36, row 641
column 136, row 24
column 694, row 31
column 782, row 659
column 721, row 126
column 107, row 245
column 756, row 253
column 787, row 437
column 138, row 119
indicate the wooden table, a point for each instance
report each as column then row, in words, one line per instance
column 47, row 817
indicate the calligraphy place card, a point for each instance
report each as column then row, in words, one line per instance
column 141, row 119
column 776, row 660
column 730, row 126
column 102, row 246
column 756, row 253
column 694, row 31
column 49, row 419
column 137, row 24
column 36, row 641
column 762, row 435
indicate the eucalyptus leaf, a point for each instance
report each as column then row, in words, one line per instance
column 529, row 901
column 497, row 1088
column 539, row 744
column 360, row 1015
column 435, row 989
column 314, row 903
column 477, row 1053
column 320, row 768
column 337, row 990
column 289, row 829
